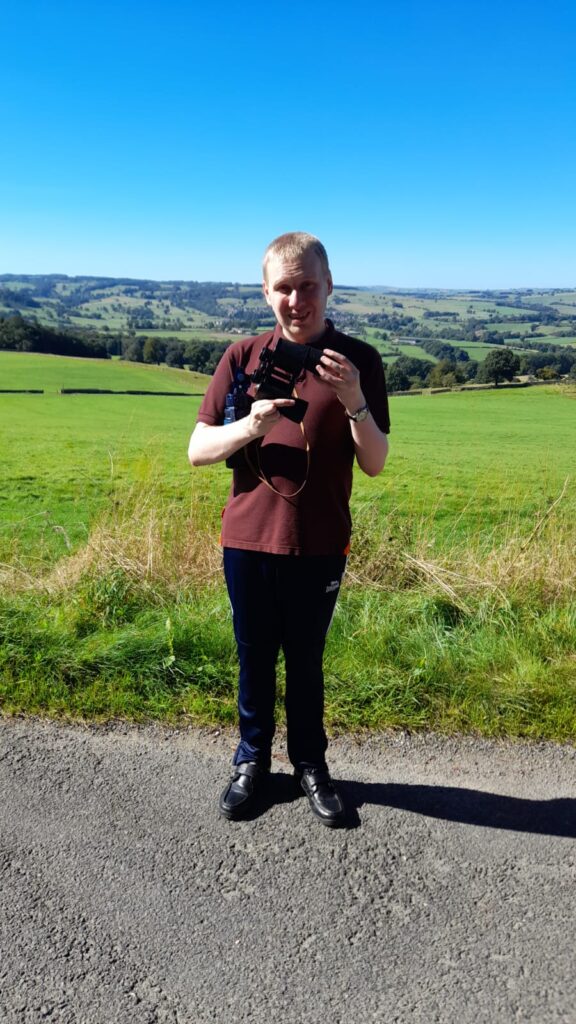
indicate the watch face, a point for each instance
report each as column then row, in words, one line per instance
column 361, row 415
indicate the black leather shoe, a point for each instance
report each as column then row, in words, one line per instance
column 323, row 797
column 243, row 789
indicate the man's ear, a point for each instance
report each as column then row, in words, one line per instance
column 265, row 290
column 330, row 284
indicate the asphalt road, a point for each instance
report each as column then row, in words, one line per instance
column 125, row 899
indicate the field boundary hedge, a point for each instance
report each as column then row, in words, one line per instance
column 108, row 391
column 508, row 386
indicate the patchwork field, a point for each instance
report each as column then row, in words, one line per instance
column 121, row 309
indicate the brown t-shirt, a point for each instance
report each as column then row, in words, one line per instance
column 316, row 521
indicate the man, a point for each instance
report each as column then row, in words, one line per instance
column 286, row 526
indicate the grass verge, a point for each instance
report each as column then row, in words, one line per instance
column 478, row 638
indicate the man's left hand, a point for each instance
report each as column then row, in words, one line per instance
column 343, row 377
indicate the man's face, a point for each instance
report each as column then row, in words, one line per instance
column 297, row 290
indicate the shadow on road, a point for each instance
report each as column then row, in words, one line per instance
column 469, row 806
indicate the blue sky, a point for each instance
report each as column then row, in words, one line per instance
column 427, row 144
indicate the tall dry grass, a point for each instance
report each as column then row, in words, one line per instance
column 478, row 634
column 168, row 550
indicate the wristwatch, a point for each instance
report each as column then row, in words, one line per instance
column 360, row 415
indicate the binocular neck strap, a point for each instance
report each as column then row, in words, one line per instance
column 258, row 471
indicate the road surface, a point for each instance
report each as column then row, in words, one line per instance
column 125, row 899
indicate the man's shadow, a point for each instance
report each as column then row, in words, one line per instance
column 447, row 803
column 469, row 806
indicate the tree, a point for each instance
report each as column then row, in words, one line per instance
column 154, row 351
column 203, row 356
column 415, row 369
column 396, row 379
column 501, row 364
column 29, row 336
column 175, row 354
column 132, row 350
column 547, row 373
column 470, row 369
column 564, row 361
column 446, row 374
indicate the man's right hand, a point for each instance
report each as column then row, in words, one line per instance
column 210, row 444
column 264, row 414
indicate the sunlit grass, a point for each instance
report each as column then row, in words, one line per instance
column 458, row 609
column 136, row 624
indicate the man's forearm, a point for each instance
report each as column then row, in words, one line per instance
column 371, row 445
column 214, row 444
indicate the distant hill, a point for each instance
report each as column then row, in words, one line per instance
column 213, row 308
column 187, row 323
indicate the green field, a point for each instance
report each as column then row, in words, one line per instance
column 63, row 455
column 476, row 350
column 568, row 339
column 459, row 608
column 470, row 459
column 51, row 373
column 505, row 328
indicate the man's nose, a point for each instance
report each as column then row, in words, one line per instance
column 294, row 297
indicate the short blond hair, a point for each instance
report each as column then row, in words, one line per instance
column 293, row 245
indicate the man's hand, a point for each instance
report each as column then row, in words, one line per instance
column 264, row 414
column 210, row 444
column 343, row 378
column 370, row 443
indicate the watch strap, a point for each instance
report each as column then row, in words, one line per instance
column 360, row 414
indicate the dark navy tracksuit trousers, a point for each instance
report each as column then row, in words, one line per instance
column 282, row 602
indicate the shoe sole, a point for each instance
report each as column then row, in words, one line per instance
column 231, row 815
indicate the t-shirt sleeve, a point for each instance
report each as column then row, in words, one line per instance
column 211, row 409
column 373, row 383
